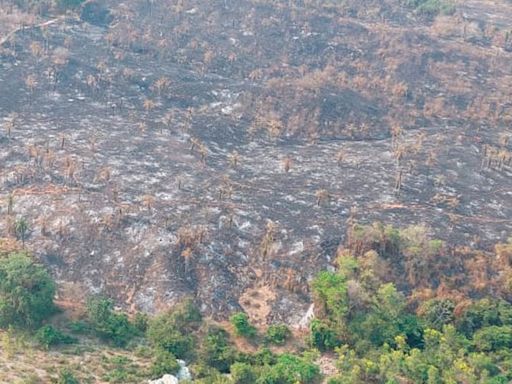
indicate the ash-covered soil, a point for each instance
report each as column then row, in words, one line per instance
column 150, row 192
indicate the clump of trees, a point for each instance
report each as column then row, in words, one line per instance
column 383, row 333
column 26, row 292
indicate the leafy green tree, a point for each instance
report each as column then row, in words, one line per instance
column 493, row 338
column 330, row 293
column 26, row 292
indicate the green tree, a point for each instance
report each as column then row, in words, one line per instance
column 26, row 292
column 240, row 321
column 330, row 293
column 21, row 229
column 174, row 331
column 216, row 351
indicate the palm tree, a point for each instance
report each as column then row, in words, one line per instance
column 10, row 204
column 21, row 229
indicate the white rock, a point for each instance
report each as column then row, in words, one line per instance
column 184, row 373
column 165, row 379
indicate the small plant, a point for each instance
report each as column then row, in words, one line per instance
column 278, row 334
column 67, row 377
column 242, row 326
column 48, row 336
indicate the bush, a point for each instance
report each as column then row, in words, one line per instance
column 322, row 336
column 174, row 331
column 432, row 8
column 278, row 334
column 164, row 362
column 48, row 336
column 69, row 4
column 26, row 292
column 67, row 377
column 107, row 324
column 216, row 351
column 242, row 326
column 290, row 369
column 243, row 373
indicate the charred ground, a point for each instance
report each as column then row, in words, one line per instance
column 222, row 150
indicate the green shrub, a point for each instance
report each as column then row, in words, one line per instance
column 290, row 369
column 278, row 334
column 164, row 362
column 140, row 322
column 432, row 7
column 26, row 292
column 243, row 373
column 242, row 326
column 174, row 331
column 322, row 336
column 493, row 338
column 107, row 324
column 67, row 377
column 216, row 351
column 69, row 4
column 48, row 336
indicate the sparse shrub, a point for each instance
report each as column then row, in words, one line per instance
column 67, row 377
column 278, row 334
column 26, row 292
column 432, row 8
column 141, row 322
column 48, row 336
column 68, row 4
column 242, row 326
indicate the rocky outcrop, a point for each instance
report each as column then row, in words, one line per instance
column 166, row 379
